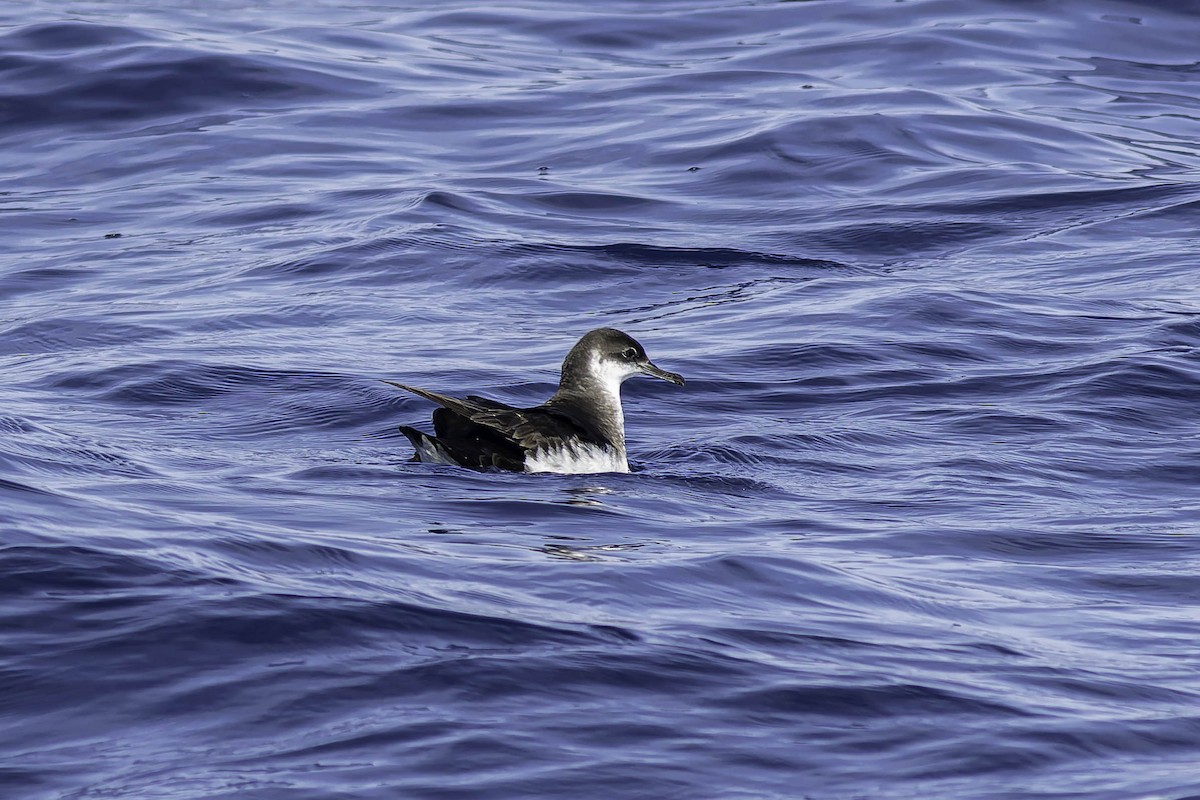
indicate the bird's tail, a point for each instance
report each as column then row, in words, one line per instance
column 427, row 448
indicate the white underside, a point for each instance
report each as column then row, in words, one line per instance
column 576, row 459
column 579, row 459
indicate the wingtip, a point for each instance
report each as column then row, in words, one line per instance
column 414, row 436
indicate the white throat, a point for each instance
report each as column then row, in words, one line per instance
column 609, row 375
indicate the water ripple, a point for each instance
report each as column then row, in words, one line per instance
column 922, row 522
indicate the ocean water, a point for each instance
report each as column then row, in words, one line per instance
column 924, row 522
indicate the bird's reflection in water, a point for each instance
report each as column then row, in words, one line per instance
column 600, row 552
column 560, row 546
column 563, row 547
column 585, row 495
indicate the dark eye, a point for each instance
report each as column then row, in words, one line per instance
column 629, row 354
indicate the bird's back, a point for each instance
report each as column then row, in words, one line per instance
column 480, row 433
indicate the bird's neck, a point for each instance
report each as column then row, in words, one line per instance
column 596, row 403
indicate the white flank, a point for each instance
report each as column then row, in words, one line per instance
column 576, row 459
column 431, row 453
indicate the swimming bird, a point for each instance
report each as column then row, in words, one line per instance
column 581, row 429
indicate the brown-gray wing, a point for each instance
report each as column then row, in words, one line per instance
column 530, row 428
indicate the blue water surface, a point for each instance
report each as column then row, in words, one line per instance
column 924, row 523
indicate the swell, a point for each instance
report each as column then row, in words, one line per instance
column 120, row 75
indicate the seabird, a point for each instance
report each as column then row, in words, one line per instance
column 580, row 429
